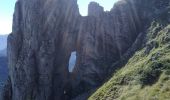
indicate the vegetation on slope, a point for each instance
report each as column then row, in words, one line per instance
column 146, row 76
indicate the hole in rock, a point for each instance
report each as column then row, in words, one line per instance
column 72, row 61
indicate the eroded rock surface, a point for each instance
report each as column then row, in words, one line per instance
column 45, row 32
column 39, row 47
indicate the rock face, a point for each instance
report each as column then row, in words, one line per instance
column 103, row 38
column 45, row 32
column 39, row 48
column 94, row 9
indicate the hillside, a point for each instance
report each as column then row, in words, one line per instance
column 146, row 76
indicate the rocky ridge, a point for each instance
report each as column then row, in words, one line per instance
column 45, row 32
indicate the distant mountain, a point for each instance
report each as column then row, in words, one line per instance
column 3, row 42
column 3, row 52
column 3, row 60
column 3, row 71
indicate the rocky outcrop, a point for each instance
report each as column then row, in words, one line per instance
column 103, row 39
column 94, row 9
column 46, row 32
column 39, row 48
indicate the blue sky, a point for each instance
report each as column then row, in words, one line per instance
column 6, row 13
column 83, row 5
column 7, row 9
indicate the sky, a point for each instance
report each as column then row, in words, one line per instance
column 83, row 5
column 6, row 13
column 7, row 9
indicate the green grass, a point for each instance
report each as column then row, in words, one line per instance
column 146, row 76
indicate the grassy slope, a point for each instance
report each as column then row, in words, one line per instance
column 146, row 76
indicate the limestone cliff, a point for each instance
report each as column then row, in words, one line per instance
column 45, row 32
column 146, row 75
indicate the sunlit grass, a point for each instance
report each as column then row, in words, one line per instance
column 146, row 76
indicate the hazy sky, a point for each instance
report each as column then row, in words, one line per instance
column 7, row 9
column 6, row 12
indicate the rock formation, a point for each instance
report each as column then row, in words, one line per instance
column 144, row 75
column 39, row 48
column 45, row 32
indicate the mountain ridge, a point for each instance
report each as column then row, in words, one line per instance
column 46, row 32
